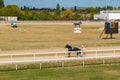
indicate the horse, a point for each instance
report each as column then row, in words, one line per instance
column 70, row 48
column 77, row 23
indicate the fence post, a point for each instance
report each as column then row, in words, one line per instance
column 40, row 66
column 34, row 57
column 83, row 63
column 96, row 54
column 114, row 53
column 62, row 64
column 103, row 61
column 56, row 55
column 11, row 58
column 16, row 67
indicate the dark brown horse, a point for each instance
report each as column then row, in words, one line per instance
column 77, row 23
column 70, row 48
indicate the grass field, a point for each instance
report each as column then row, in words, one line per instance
column 42, row 35
column 101, row 72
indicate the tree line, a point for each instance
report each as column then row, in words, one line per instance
column 75, row 13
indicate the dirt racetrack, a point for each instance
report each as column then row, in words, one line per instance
column 21, row 56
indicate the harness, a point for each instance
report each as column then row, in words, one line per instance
column 71, row 49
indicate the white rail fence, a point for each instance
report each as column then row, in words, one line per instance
column 57, row 56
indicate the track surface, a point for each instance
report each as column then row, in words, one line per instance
column 10, row 57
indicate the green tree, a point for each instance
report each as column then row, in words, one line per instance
column 77, row 16
column 58, row 11
column 46, row 15
column 2, row 11
column 14, row 10
column 75, row 8
column 67, row 14
column 1, row 4
column 27, row 15
column 63, row 8
column 91, row 16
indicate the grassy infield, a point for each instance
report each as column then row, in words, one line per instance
column 101, row 72
column 41, row 35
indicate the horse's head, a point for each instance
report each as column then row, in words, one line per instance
column 68, row 46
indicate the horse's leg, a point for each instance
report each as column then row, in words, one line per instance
column 80, row 54
column 68, row 54
column 77, row 54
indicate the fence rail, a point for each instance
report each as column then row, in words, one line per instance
column 57, row 56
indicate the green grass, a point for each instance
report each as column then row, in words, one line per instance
column 57, row 64
column 101, row 72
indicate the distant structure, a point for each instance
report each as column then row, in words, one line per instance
column 9, row 18
column 108, row 15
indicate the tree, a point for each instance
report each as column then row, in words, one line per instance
column 77, row 16
column 63, row 8
column 1, row 4
column 91, row 16
column 67, row 14
column 14, row 10
column 2, row 11
column 75, row 8
column 58, row 10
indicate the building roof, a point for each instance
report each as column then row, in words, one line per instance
column 110, row 11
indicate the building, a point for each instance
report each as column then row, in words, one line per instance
column 107, row 15
column 9, row 18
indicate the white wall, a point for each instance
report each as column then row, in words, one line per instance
column 104, row 16
column 114, row 16
column 9, row 18
column 101, row 16
column 110, row 15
